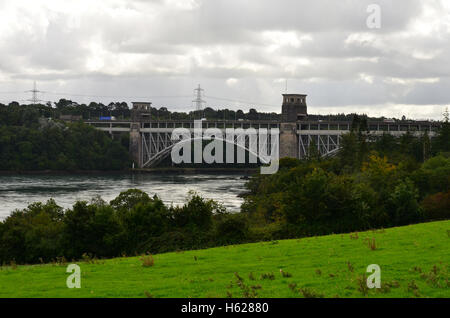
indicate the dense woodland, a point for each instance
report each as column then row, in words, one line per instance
column 30, row 141
column 389, row 182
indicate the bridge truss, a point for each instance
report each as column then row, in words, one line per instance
column 326, row 144
column 157, row 145
column 325, row 136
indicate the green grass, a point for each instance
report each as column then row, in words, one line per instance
column 414, row 262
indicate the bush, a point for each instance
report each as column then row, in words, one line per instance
column 147, row 261
column 197, row 213
column 92, row 229
column 32, row 234
column 232, row 228
column 144, row 221
column 437, row 206
column 288, row 163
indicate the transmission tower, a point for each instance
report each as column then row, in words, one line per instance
column 198, row 98
column 34, row 98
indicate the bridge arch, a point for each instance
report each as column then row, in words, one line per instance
column 161, row 155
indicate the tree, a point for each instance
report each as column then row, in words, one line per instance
column 252, row 114
column 32, row 234
column 426, row 146
column 437, row 206
column 127, row 200
column 63, row 103
column 403, row 205
column 313, row 151
column 92, row 229
column 442, row 141
column 348, row 155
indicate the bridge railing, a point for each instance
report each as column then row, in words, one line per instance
column 301, row 126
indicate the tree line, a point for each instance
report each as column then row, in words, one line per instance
column 30, row 140
column 67, row 147
column 120, row 110
column 20, row 114
column 131, row 223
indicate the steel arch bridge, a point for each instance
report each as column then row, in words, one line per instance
column 150, row 141
column 158, row 145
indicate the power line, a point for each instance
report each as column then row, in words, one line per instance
column 99, row 96
column 199, row 101
column 240, row 101
column 11, row 92
column 117, row 96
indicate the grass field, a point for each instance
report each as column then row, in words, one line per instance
column 414, row 262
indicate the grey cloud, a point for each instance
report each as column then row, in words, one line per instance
column 175, row 49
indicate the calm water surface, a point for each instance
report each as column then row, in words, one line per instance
column 16, row 192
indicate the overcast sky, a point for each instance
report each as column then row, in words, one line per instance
column 243, row 51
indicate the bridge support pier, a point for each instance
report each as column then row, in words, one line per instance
column 136, row 145
column 288, row 140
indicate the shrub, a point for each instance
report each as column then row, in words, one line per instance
column 269, row 276
column 32, row 234
column 147, row 261
column 197, row 212
column 91, row 228
column 143, row 222
column 437, row 206
column 232, row 228
column 310, row 293
column 372, row 243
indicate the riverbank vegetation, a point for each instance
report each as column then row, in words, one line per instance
column 67, row 147
column 30, row 141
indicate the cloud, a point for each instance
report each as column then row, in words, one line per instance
column 238, row 50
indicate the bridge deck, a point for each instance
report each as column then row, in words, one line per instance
column 303, row 127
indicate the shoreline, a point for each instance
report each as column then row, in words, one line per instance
column 168, row 170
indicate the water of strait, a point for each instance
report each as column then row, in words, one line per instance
column 17, row 191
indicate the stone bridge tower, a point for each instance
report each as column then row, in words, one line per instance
column 139, row 113
column 294, row 108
